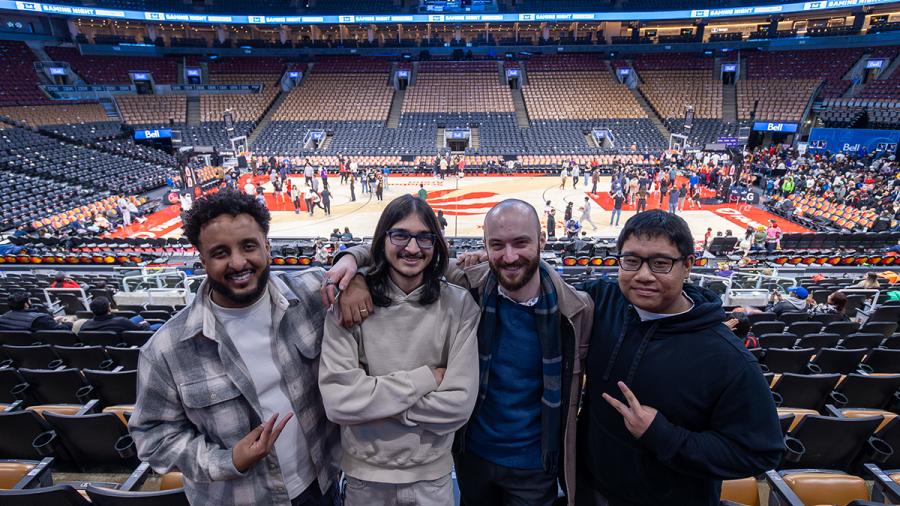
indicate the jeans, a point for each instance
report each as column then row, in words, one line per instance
column 485, row 483
column 139, row 320
column 616, row 214
column 312, row 496
column 437, row 492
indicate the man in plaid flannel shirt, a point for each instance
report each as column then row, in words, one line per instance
column 215, row 379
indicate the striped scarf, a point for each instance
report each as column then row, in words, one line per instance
column 547, row 321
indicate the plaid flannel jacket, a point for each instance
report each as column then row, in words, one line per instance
column 195, row 398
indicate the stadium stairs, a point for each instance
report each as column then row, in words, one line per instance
column 857, row 68
column 267, row 117
column 521, row 111
column 396, row 109
column 651, row 114
column 193, row 111
column 729, row 103
column 891, row 69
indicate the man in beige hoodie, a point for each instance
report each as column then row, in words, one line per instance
column 405, row 380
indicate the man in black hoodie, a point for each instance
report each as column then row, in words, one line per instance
column 674, row 402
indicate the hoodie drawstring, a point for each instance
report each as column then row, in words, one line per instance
column 640, row 352
column 637, row 357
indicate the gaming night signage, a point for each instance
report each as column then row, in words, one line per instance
column 93, row 12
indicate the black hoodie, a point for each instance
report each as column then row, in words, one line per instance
column 716, row 418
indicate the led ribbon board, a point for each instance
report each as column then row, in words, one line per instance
column 730, row 12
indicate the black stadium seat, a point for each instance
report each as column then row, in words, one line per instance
column 63, row 386
column 98, row 442
column 881, row 360
column 835, row 360
column 127, row 358
column 818, row 447
column 869, row 391
column 860, row 340
column 32, row 357
column 782, row 360
column 19, row 429
column 804, row 391
column 113, row 387
column 57, row 495
column 100, row 338
column 83, row 357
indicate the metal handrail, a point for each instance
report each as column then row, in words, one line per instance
column 157, row 278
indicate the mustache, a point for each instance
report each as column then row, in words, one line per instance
column 419, row 256
column 514, row 265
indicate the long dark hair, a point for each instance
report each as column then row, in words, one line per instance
column 377, row 279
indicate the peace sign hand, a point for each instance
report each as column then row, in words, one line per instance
column 637, row 417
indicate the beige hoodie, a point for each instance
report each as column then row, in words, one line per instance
column 397, row 424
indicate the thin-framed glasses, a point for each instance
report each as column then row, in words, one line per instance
column 401, row 238
column 658, row 264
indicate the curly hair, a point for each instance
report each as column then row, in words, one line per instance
column 227, row 201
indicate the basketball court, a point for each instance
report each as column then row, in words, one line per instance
column 464, row 202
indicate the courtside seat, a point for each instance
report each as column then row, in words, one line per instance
column 783, row 340
column 113, row 387
column 814, row 442
column 126, row 358
column 795, row 415
column 886, row 485
column 100, row 338
column 844, row 329
column 12, row 471
column 887, row 416
column 818, row 341
column 83, row 357
column 136, row 337
column 782, row 360
column 834, row 360
column 886, row 329
column 13, row 387
column 19, row 430
column 882, row 360
column 809, row 487
column 744, row 491
column 171, row 481
column 123, row 411
column 66, row 386
column 57, row 337
column 110, row 497
column 767, row 327
column 32, row 357
column 869, row 390
column 127, row 493
column 98, row 442
column 56, row 495
column 860, row 340
column 803, row 391
column 18, row 474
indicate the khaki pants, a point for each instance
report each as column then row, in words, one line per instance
column 437, row 492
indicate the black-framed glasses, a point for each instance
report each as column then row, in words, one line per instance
column 401, row 238
column 658, row 264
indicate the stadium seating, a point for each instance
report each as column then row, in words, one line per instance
column 18, row 79
column 68, row 114
column 152, row 109
column 114, row 69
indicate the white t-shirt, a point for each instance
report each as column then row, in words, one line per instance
column 250, row 188
column 647, row 315
column 253, row 325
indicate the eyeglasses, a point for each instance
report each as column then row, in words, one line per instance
column 401, row 238
column 657, row 264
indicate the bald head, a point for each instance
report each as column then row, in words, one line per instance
column 510, row 209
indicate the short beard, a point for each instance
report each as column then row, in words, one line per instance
column 531, row 269
column 241, row 300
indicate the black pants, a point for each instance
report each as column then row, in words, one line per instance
column 312, row 496
column 488, row 484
